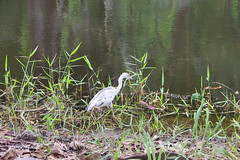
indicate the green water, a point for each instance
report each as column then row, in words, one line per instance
column 181, row 36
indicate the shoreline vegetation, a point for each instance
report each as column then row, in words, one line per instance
column 42, row 118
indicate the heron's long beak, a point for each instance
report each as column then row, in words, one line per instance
column 133, row 79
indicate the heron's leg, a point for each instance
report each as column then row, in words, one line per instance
column 100, row 112
column 94, row 108
column 91, row 114
column 112, row 110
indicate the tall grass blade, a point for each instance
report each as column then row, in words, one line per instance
column 34, row 51
column 21, row 63
column 88, row 63
column 224, row 151
column 76, row 59
column 75, row 50
column 6, row 63
column 162, row 77
column 216, row 127
column 208, row 73
column 197, row 116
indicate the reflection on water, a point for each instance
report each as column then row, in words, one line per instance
column 181, row 36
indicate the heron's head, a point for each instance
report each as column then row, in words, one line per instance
column 127, row 76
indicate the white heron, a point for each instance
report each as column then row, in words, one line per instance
column 107, row 95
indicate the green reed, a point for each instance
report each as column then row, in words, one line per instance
column 51, row 90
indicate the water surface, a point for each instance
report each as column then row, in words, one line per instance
column 181, row 36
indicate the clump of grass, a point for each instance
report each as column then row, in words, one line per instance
column 43, row 102
column 48, row 91
column 139, row 68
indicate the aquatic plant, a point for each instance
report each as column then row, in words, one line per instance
column 42, row 106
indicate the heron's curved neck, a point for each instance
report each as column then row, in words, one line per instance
column 120, row 81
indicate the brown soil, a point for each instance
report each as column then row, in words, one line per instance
column 104, row 146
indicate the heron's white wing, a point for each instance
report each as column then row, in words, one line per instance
column 103, row 92
column 102, row 98
column 105, row 98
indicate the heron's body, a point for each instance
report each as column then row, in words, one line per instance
column 107, row 95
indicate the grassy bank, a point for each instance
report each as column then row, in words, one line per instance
column 45, row 115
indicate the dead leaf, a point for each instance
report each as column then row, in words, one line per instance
column 208, row 87
column 144, row 103
column 199, row 144
column 10, row 154
column 219, row 87
column 95, row 156
column 38, row 154
column 151, row 107
column 3, row 132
